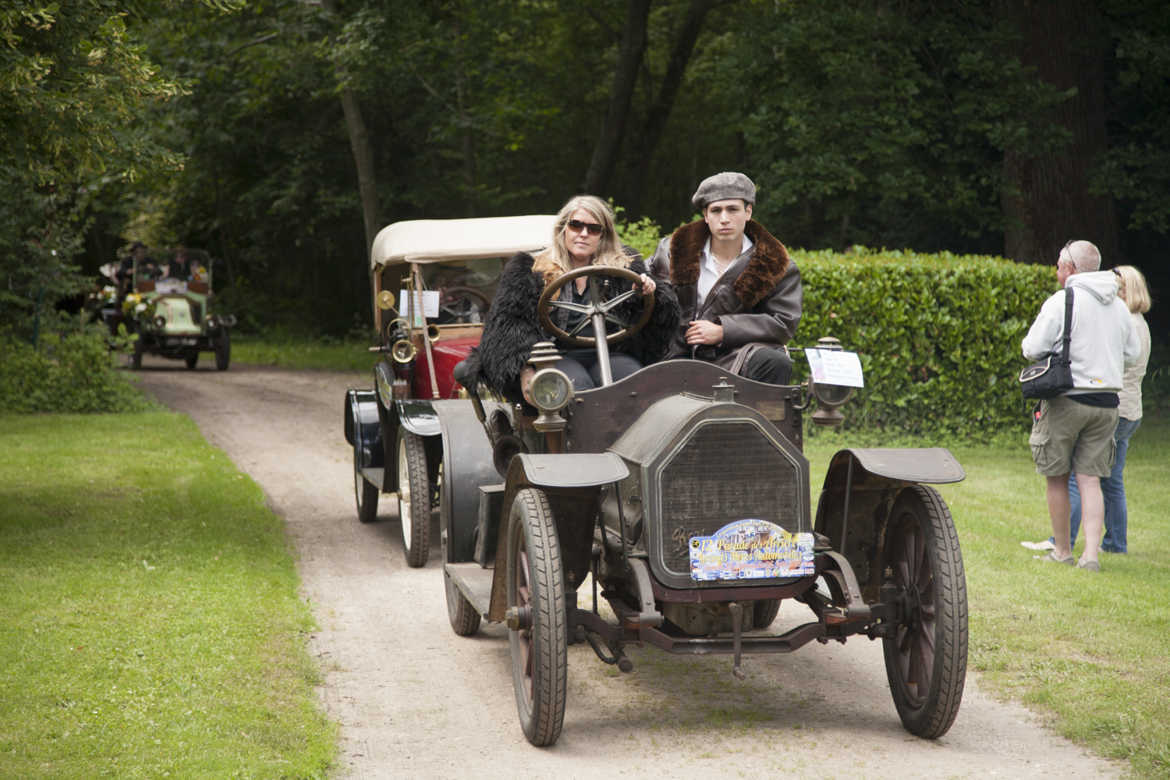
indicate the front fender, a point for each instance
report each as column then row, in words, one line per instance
column 418, row 417
column 860, row 488
column 362, row 427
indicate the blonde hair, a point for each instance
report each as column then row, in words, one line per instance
column 1133, row 291
column 555, row 260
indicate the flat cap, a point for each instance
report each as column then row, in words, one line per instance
column 724, row 186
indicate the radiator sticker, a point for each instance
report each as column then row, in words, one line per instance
column 749, row 550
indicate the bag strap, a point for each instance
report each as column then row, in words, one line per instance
column 1068, row 306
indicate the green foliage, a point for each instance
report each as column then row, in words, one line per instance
column 69, row 371
column 641, row 234
column 939, row 335
column 150, row 624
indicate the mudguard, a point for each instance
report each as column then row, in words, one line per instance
column 860, row 488
column 419, row 417
column 467, row 464
column 362, row 428
column 565, row 471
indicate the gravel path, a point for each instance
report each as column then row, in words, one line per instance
column 415, row 700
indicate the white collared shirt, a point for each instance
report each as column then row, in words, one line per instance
column 709, row 273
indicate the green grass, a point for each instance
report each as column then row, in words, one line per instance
column 1086, row 650
column 149, row 617
column 322, row 354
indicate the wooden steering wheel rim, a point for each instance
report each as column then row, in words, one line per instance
column 544, row 306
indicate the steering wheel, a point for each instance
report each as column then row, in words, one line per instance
column 597, row 311
column 462, row 305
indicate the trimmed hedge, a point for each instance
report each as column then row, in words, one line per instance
column 938, row 335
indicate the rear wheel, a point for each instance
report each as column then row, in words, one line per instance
column 414, row 498
column 223, row 351
column 136, row 355
column 764, row 612
column 536, row 604
column 926, row 656
column 364, row 494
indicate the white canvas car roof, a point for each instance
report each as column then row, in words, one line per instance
column 444, row 240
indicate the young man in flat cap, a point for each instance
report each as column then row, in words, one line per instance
column 740, row 293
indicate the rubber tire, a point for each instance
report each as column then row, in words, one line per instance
column 764, row 612
column 223, row 352
column 414, row 498
column 929, row 648
column 192, row 360
column 136, row 355
column 365, row 495
column 535, row 579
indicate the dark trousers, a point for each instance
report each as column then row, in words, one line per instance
column 581, row 366
column 766, row 364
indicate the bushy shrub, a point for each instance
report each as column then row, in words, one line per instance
column 68, row 371
column 939, row 335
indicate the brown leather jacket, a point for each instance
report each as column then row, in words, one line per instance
column 758, row 300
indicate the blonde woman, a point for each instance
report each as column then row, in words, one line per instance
column 583, row 235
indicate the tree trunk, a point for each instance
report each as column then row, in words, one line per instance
column 363, row 160
column 1046, row 198
column 613, row 128
column 680, row 56
column 363, row 154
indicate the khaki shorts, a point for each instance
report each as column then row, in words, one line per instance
column 1073, row 438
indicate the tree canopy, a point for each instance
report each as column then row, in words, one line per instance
column 280, row 134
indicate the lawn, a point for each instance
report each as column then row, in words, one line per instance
column 149, row 618
column 323, row 354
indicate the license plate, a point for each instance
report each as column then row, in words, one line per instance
column 749, row 550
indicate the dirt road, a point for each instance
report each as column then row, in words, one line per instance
column 415, row 700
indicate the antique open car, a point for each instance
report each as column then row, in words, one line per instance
column 175, row 318
column 432, row 281
column 681, row 494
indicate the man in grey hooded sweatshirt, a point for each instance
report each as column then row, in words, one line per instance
column 1073, row 433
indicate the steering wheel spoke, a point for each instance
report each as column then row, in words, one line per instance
column 598, row 304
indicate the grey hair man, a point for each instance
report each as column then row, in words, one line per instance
column 1073, row 432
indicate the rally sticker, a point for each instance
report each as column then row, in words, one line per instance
column 749, row 550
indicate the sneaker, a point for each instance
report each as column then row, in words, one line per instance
column 1043, row 546
column 1088, row 565
column 1050, row 557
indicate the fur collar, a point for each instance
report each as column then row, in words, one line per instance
column 768, row 264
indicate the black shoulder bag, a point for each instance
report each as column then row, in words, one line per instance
column 1051, row 375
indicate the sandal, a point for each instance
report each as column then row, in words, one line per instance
column 1050, row 557
column 1089, row 565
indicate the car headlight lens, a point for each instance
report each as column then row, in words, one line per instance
column 550, row 389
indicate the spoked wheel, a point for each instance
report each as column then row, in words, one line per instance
column 536, row 617
column 365, row 495
column 926, row 657
column 414, row 498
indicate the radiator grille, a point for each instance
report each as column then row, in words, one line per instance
column 723, row 473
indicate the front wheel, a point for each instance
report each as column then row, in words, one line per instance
column 191, row 359
column 365, row 495
column 926, row 655
column 414, row 498
column 536, row 606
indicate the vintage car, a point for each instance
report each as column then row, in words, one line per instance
column 175, row 317
column 448, row 270
column 681, row 496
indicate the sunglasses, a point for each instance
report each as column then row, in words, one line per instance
column 577, row 226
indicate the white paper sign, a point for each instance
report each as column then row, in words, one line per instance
column 429, row 304
column 835, row 367
column 170, row 286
